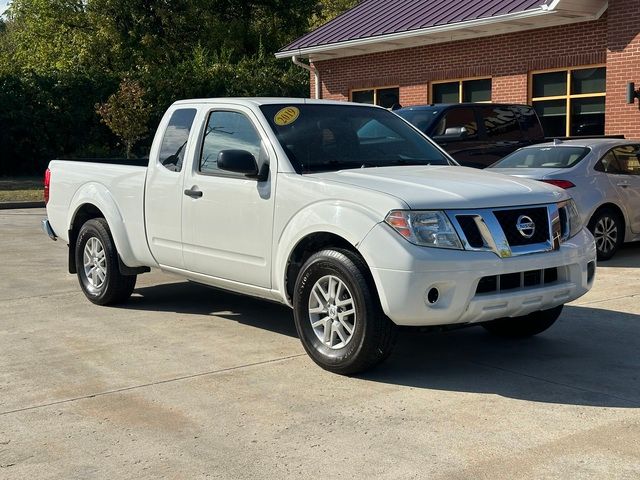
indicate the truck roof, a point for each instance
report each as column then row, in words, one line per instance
column 258, row 101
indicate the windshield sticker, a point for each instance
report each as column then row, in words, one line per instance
column 286, row 116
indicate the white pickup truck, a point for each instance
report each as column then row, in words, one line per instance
column 344, row 212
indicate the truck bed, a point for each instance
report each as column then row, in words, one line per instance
column 117, row 186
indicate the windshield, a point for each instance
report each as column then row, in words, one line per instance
column 543, row 157
column 320, row 138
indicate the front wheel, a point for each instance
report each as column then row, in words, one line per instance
column 338, row 315
column 97, row 265
column 525, row 326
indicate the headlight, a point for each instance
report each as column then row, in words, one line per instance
column 425, row 228
column 571, row 220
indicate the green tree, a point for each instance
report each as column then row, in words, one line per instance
column 60, row 58
column 126, row 113
column 329, row 9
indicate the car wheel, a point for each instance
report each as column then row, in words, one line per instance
column 97, row 265
column 525, row 326
column 608, row 230
column 338, row 314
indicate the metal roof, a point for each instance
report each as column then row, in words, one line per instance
column 372, row 18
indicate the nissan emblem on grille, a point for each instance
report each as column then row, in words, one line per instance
column 525, row 226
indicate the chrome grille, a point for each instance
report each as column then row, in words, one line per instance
column 496, row 230
column 509, row 219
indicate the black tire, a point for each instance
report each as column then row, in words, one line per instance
column 608, row 229
column 525, row 326
column 373, row 334
column 115, row 287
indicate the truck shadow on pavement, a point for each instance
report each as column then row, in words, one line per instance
column 589, row 357
column 192, row 298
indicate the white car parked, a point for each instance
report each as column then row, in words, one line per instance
column 345, row 212
column 602, row 176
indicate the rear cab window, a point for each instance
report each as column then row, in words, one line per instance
column 174, row 140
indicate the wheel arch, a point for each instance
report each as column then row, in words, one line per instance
column 305, row 248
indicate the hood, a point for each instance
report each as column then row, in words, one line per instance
column 444, row 187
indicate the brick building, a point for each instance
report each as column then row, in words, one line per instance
column 570, row 59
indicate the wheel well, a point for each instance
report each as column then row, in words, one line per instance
column 615, row 208
column 308, row 246
column 85, row 213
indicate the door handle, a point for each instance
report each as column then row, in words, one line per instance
column 623, row 184
column 193, row 192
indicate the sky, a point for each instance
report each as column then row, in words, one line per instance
column 3, row 5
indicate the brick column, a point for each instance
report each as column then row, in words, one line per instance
column 623, row 65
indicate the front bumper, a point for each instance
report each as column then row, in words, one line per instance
column 405, row 274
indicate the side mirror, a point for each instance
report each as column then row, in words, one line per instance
column 238, row 161
column 452, row 134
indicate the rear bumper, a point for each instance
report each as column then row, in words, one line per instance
column 46, row 227
column 404, row 288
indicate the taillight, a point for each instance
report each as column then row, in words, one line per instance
column 566, row 184
column 47, row 181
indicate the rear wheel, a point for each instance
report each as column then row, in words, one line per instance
column 97, row 265
column 525, row 326
column 608, row 230
column 338, row 315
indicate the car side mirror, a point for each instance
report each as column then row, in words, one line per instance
column 238, row 161
column 452, row 134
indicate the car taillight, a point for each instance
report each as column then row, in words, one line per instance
column 566, row 184
column 47, row 181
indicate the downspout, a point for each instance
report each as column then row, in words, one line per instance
column 314, row 71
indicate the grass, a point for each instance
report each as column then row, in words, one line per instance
column 16, row 189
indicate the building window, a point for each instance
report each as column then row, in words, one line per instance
column 384, row 97
column 465, row 90
column 570, row 102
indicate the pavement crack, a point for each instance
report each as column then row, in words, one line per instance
column 593, row 302
column 151, row 384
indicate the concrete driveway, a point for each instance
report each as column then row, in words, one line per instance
column 186, row 382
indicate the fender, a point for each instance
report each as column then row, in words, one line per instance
column 348, row 220
column 99, row 196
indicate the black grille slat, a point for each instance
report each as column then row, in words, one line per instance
column 471, row 230
column 517, row 280
column 509, row 218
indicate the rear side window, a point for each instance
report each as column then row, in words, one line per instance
column 628, row 157
column 500, row 124
column 456, row 118
column 227, row 131
column 544, row 157
column 174, row 142
column 529, row 122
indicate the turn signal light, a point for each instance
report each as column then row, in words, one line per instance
column 47, row 182
column 399, row 223
column 566, row 184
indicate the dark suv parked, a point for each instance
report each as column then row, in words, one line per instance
column 477, row 134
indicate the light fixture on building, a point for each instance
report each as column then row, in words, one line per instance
column 632, row 93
